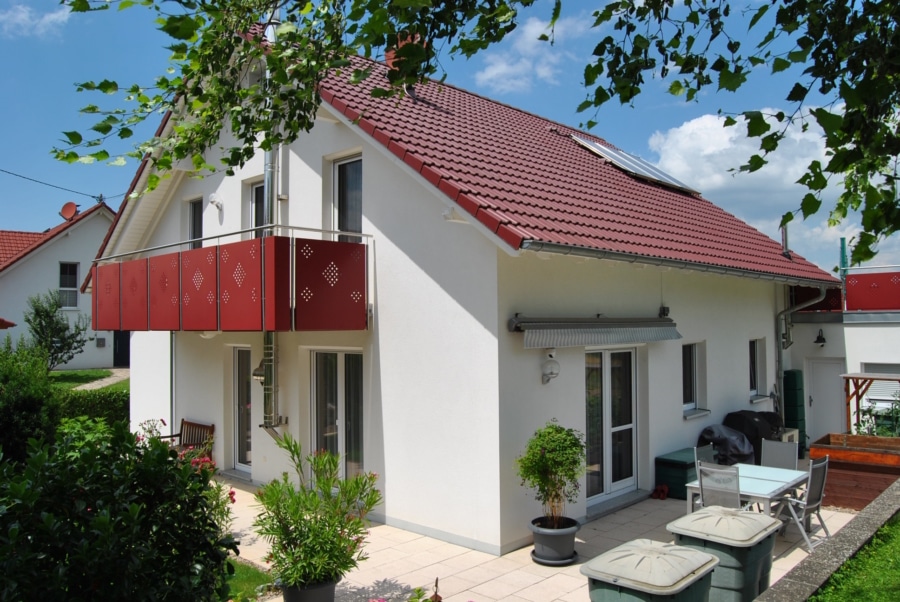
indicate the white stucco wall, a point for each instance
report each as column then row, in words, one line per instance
column 38, row 272
column 724, row 313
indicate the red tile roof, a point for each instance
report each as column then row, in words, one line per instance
column 527, row 180
column 16, row 245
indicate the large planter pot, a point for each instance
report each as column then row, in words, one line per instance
column 321, row 592
column 554, row 546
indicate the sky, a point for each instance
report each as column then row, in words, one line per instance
column 49, row 50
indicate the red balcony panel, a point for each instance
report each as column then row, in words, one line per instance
column 833, row 300
column 106, row 292
column 165, row 303
column 873, row 292
column 330, row 285
column 134, row 295
column 277, row 257
column 240, row 286
column 199, row 288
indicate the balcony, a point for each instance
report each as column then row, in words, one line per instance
column 862, row 292
column 275, row 283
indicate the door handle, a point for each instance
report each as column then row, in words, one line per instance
column 810, row 401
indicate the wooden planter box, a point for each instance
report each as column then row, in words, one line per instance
column 877, row 454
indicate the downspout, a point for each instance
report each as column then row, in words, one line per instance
column 784, row 341
column 271, row 416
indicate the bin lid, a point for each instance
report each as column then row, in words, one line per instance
column 653, row 567
column 730, row 526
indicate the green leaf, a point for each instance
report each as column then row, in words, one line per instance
column 74, row 138
column 676, row 88
column 786, row 219
column 729, row 121
column 779, row 64
column 731, row 80
column 810, row 204
column 180, row 27
column 108, row 87
column 759, row 14
column 798, row 93
column 828, row 121
column 756, row 123
column 753, row 164
column 102, row 127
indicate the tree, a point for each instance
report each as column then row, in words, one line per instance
column 846, row 57
column 52, row 331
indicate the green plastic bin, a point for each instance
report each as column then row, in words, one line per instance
column 645, row 570
column 676, row 469
column 743, row 541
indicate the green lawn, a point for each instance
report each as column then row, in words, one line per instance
column 69, row 379
column 248, row 582
column 122, row 385
column 873, row 574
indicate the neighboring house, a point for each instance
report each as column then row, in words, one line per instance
column 849, row 335
column 33, row 263
column 430, row 253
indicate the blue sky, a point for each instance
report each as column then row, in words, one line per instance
column 49, row 50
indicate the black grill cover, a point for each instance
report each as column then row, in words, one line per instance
column 754, row 425
column 731, row 446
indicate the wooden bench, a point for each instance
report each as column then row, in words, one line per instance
column 192, row 435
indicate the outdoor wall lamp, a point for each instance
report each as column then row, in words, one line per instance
column 259, row 373
column 820, row 340
column 550, row 367
column 215, row 201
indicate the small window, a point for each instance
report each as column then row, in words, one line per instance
column 258, row 209
column 68, row 285
column 689, row 376
column 348, row 198
column 757, row 357
column 195, row 223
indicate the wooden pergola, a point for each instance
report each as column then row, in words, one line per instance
column 857, row 385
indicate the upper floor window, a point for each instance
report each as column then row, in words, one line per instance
column 258, row 209
column 68, row 285
column 195, row 223
column 348, row 198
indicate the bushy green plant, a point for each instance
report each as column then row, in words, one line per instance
column 28, row 407
column 318, row 526
column 552, row 465
column 112, row 406
column 61, row 336
column 98, row 515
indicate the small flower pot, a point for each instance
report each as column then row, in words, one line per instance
column 554, row 547
column 320, row 592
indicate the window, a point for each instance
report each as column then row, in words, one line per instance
column 689, row 376
column 258, row 209
column 348, row 198
column 195, row 223
column 68, row 285
column 757, row 368
column 338, row 407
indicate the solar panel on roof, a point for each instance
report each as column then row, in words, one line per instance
column 634, row 165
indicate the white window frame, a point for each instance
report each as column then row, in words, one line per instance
column 68, row 289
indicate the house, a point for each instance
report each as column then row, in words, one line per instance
column 853, row 332
column 59, row 258
column 444, row 274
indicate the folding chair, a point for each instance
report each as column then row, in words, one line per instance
column 809, row 502
column 719, row 485
column 779, row 454
column 705, row 453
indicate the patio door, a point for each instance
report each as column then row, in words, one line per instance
column 338, row 407
column 610, row 436
column 243, row 377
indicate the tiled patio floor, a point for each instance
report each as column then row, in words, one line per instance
column 400, row 560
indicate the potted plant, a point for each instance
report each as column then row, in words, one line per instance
column 552, row 465
column 317, row 526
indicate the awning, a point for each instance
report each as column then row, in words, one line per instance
column 586, row 332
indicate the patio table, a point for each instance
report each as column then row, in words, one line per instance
column 758, row 485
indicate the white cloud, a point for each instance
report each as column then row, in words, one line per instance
column 523, row 61
column 20, row 21
column 701, row 152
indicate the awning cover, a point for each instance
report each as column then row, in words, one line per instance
column 587, row 332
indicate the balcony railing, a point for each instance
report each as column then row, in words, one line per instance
column 275, row 283
column 863, row 291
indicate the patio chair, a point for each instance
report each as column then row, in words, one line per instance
column 705, row 453
column 808, row 502
column 779, row 454
column 719, row 485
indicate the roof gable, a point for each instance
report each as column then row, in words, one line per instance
column 15, row 246
column 529, row 181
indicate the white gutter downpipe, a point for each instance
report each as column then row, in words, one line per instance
column 271, row 416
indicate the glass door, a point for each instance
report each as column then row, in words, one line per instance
column 610, row 408
column 242, row 430
column 338, row 407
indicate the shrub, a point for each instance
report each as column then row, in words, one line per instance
column 111, row 405
column 28, row 407
column 98, row 515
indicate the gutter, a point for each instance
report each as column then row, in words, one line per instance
column 559, row 249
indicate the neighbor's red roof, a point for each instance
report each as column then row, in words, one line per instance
column 526, row 179
column 16, row 245
column 6, row 324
